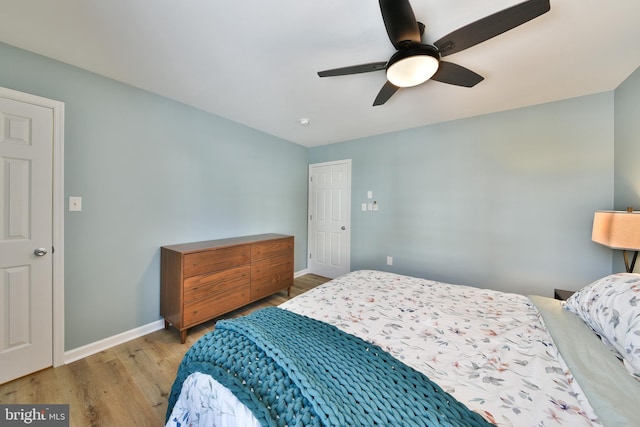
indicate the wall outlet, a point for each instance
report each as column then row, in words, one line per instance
column 75, row 204
column 389, row 260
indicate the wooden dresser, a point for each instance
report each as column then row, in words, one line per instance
column 203, row 280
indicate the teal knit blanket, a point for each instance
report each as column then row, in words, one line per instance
column 292, row 370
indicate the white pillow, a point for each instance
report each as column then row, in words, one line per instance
column 611, row 307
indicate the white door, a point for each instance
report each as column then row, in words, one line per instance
column 26, row 287
column 330, row 218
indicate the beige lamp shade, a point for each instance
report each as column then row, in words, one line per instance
column 617, row 229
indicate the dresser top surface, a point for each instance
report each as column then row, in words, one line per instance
column 221, row 243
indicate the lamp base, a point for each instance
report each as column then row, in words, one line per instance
column 631, row 266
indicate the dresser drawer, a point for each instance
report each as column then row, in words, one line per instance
column 270, row 276
column 272, row 248
column 224, row 301
column 197, row 287
column 215, row 259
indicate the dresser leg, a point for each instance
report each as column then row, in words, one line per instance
column 166, row 324
column 289, row 291
column 183, row 336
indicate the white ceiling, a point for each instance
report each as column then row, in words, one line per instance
column 255, row 61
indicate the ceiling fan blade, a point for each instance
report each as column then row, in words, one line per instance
column 455, row 74
column 385, row 93
column 491, row 26
column 400, row 22
column 353, row 69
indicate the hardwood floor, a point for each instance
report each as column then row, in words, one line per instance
column 126, row 385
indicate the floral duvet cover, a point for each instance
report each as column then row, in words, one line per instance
column 489, row 349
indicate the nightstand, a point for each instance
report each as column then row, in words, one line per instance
column 562, row 294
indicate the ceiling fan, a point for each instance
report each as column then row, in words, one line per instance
column 414, row 62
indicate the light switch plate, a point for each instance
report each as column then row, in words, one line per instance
column 75, row 204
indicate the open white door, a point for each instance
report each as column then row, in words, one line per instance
column 26, row 237
column 330, row 218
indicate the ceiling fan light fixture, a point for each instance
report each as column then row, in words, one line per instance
column 413, row 66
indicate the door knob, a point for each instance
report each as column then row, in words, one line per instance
column 343, row 227
column 40, row 252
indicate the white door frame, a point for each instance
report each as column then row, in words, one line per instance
column 348, row 219
column 57, row 210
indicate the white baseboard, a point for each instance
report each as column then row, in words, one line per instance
column 300, row 273
column 104, row 344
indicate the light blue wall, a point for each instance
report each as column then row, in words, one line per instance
column 627, row 147
column 152, row 172
column 627, row 151
column 503, row 200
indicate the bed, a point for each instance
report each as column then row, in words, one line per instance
column 506, row 359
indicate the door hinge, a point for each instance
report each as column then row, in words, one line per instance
column 310, row 179
column 311, row 217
